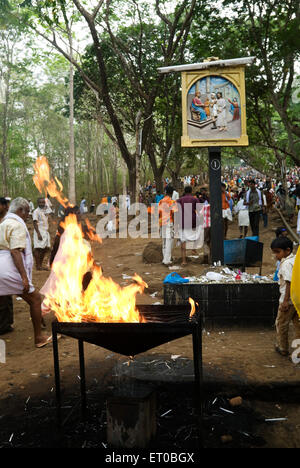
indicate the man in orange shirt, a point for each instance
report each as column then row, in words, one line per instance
column 226, row 211
column 166, row 208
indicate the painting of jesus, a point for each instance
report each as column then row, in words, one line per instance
column 213, row 109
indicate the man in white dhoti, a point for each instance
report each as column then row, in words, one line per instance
column 222, row 118
column 16, row 263
column 41, row 236
column 243, row 217
column 190, row 230
column 166, row 209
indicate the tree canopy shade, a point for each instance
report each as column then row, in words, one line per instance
column 270, row 31
column 169, row 45
column 118, row 87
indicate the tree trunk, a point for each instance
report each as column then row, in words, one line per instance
column 107, row 178
column 158, row 178
column 138, row 155
column 115, row 170
column 132, row 183
column 4, row 140
column 72, row 184
column 95, row 164
column 124, row 179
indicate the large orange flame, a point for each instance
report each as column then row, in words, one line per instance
column 103, row 300
column 44, row 182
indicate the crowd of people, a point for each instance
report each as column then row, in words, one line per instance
column 184, row 217
column 248, row 203
column 249, row 197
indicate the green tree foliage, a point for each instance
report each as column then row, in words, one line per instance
column 268, row 30
column 120, row 95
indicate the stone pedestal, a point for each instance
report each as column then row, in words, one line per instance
column 131, row 420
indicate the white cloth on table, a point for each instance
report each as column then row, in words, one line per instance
column 14, row 229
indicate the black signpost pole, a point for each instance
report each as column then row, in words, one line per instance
column 217, row 230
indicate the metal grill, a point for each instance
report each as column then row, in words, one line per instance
column 163, row 324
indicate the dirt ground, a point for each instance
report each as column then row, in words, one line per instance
column 238, row 361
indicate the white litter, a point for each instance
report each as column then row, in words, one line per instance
column 226, row 410
column 213, row 276
column 154, row 294
column 226, row 275
column 175, row 356
column 276, row 419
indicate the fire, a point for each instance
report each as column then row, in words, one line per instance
column 91, row 233
column 44, row 182
column 102, row 300
column 193, row 307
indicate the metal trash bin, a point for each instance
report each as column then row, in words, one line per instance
column 243, row 253
column 229, row 304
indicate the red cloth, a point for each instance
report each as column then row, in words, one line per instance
column 206, row 214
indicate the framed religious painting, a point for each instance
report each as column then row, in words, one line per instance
column 214, row 107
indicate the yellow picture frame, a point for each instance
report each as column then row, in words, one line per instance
column 235, row 75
